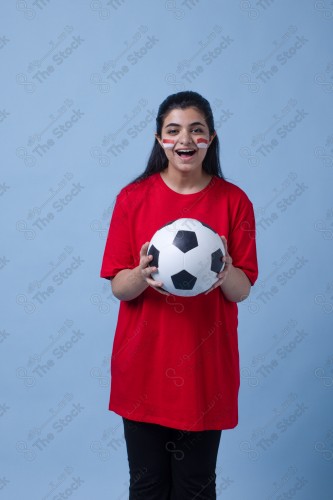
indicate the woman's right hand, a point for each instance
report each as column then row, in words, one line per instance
column 146, row 270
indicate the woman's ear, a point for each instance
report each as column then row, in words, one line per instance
column 159, row 140
column 212, row 137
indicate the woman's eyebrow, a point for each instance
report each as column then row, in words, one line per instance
column 191, row 124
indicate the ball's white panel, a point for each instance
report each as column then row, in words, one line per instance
column 185, row 293
column 187, row 224
column 206, row 279
column 162, row 238
column 209, row 238
column 171, row 261
column 196, row 260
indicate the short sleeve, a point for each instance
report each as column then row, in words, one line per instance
column 117, row 252
column 242, row 239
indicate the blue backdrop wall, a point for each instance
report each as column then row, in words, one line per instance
column 81, row 82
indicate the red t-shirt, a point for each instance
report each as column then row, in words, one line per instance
column 175, row 360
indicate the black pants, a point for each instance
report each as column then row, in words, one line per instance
column 170, row 464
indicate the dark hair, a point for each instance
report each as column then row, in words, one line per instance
column 182, row 100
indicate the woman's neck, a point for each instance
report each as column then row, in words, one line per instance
column 186, row 182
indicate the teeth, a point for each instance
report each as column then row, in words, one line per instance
column 185, row 150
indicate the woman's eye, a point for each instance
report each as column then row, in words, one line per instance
column 174, row 131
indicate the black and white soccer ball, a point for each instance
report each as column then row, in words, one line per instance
column 188, row 255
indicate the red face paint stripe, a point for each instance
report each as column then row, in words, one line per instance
column 168, row 143
column 202, row 143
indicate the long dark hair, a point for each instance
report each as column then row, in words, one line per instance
column 157, row 160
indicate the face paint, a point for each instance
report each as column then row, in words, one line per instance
column 168, row 143
column 202, row 143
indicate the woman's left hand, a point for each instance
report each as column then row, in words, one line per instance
column 228, row 263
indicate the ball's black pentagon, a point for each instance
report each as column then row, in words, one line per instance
column 183, row 280
column 206, row 225
column 155, row 253
column 216, row 263
column 185, row 240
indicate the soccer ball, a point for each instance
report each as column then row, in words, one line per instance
column 188, row 255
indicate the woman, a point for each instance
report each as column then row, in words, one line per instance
column 175, row 362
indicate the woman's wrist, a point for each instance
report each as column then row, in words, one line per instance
column 236, row 285
column 129, row 284
column 136, row 277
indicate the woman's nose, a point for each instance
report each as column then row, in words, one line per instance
column 185, row 137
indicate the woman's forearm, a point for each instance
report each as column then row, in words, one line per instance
column 236, row 286
column 128, row 284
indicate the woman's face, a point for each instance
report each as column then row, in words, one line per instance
column 186, row 138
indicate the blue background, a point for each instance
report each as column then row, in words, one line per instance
column 81, row 83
